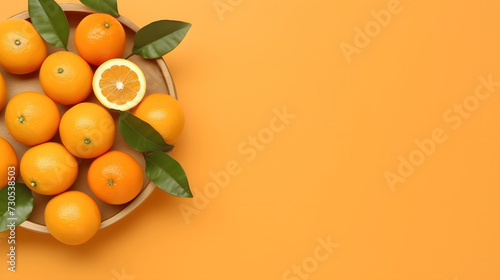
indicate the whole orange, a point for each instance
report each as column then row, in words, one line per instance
column 72, row 217
column 22, row 50
column 3, row 92
column 100, row 37
column 32, row 118
column 164, row 113
column 48, row 169
column 66, row 78
column 8, row 162
column 87, row 130
column 115, row 177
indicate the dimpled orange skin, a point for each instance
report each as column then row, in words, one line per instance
column 48, row 169
column 66, row 78
column 8, row 159
column 22, row 50
column 87, row 130
column 99, row 38
column 72, row 217
column 115, row 177
column 164, row 113
column 32, row 118
column 3, row 92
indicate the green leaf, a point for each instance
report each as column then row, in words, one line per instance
column 167, row 174
column 103, row 6
column 140, row 135
column 50, row 22
column 18, row 212
column 159, row 38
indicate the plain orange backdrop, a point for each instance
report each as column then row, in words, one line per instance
column 322, row 175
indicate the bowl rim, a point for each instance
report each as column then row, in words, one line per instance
column 150, row 187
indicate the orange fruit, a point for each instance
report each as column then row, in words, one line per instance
column 66, row 78
column 32, row 118
column 72, row 217
column 164, row 113
column 119, row 84
column 87, row 130
column 100, row 37
column 3, row 92
column 7, row 161
column 48, row 169
column 115, row 177
column 22, row 50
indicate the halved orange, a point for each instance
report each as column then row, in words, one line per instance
column 119, row 84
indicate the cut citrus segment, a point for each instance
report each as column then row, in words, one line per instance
column 119, row 84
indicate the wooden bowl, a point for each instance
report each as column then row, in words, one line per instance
column 158, row 80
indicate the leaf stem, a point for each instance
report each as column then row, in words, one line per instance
column 132, row 54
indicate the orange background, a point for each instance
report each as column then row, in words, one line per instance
column 323, row 175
